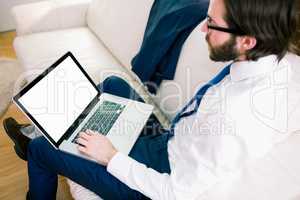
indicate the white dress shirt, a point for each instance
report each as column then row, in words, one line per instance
column 239, row 120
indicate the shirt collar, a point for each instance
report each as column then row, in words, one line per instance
column 246, row 69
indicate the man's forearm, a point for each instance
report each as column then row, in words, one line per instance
column 137, row 176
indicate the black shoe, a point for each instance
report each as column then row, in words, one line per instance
column 27, row 196
column 12, row 128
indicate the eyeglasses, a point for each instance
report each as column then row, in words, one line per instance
column 233, row 31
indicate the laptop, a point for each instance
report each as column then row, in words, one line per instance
column 64, row 101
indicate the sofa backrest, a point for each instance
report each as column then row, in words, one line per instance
column 119, row 25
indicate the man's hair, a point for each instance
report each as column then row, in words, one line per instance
column 272, row 22
column 295, row 45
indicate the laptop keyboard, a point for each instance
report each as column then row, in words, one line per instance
column 103, row 118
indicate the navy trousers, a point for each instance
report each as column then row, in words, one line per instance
column 45, row 162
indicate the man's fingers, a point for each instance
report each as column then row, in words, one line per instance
column 82, row 149
column 82, row 141
column 91, row 132
column 84, row 135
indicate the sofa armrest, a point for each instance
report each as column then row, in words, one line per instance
column 49, row 15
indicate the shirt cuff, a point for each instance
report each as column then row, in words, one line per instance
column 119, row 166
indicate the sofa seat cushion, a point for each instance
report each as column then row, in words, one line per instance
column 38, row 51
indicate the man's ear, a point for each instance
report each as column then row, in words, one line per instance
column 246, row 43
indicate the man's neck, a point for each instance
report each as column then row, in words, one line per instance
column 241, row 58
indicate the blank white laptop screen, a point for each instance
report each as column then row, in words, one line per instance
column 59, row 98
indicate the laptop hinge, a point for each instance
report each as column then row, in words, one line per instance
column 80, row 119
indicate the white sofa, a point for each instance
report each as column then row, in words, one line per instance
column 104, row 35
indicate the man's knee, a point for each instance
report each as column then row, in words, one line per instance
column 115, row 80
column 110, row 83
column 119, row 87
column 36, row 146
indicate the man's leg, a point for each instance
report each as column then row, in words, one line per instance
column 44, row 162
column 119, row 87
column 153, row 139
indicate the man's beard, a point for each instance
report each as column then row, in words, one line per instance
column 225, row 52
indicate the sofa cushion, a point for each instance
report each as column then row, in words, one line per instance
column 119, row 27
column 89, row 51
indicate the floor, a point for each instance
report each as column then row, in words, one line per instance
column 13, row 171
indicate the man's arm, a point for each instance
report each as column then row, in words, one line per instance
column 138, row 177
column 218, row 160
column 132, row 173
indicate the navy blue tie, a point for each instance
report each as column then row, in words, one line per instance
column 197, row 98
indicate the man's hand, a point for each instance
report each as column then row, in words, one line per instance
column 96, row 146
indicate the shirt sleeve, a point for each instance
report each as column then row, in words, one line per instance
column 138, row 177
column 162, row 186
